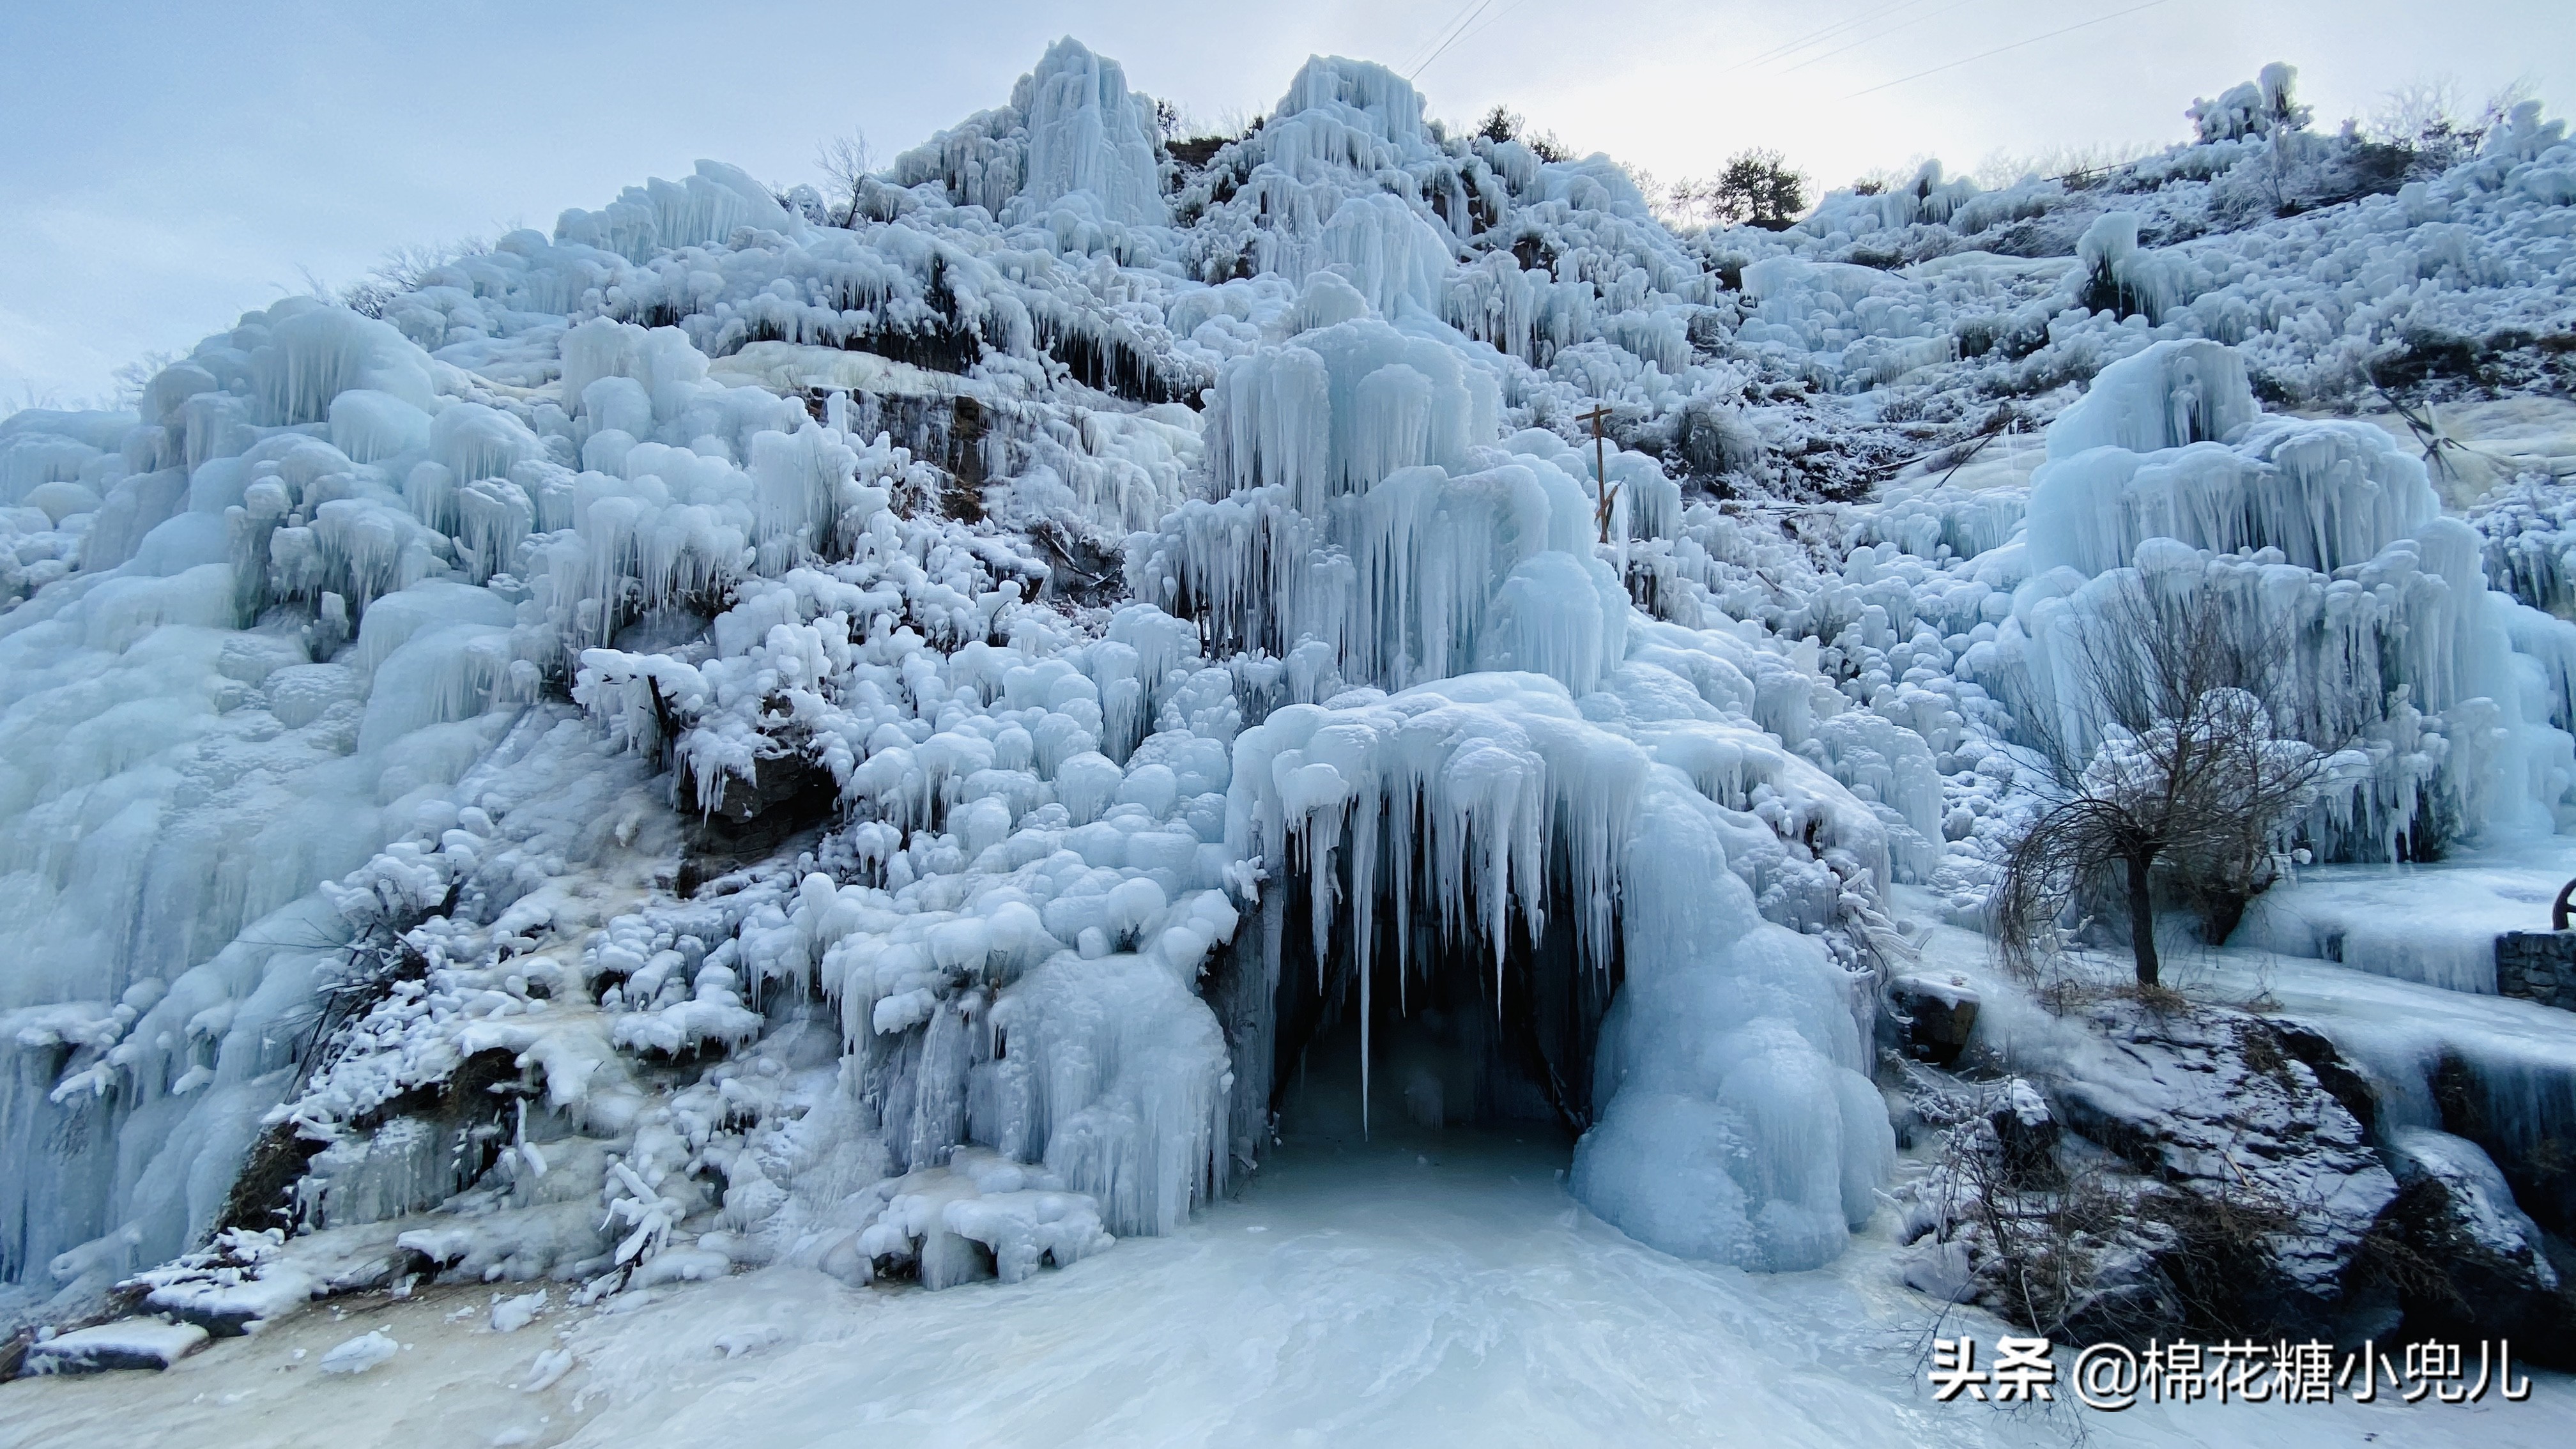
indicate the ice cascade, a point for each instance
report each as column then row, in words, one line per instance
column 2166, row 475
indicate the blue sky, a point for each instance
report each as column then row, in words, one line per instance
column 170, row 165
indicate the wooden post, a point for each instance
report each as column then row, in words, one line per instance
column 1603, row 494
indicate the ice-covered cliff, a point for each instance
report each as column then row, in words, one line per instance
column 711, row 736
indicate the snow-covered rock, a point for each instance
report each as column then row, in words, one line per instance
column 128, row 1343
column 2220, row 1105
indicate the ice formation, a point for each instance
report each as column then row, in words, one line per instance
column 711, row 736
column 2327, row 533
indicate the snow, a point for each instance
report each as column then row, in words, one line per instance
column 1364, row 1293
column 711, row 742
column 358, row 1355
column 125, row 1344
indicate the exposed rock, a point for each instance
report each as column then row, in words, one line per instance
column 2334, row 1074
column 2192, row 1174
column 245, row 1278
column 2507, row 1110
column 2025, row 1133
column 128, row 1343
column 2476, row 1266
column 751, row 819
column 2218, row 1106
column 1936, row 1014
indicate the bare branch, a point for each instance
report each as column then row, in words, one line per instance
column 848, row 164
column 2181, row 749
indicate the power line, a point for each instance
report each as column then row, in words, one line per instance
column 2000, row 49
column 1443, row 29
column 1812, row 37
column 1789, row 48
column 1488, row 25
column 1881, row 35
column 1449, row 33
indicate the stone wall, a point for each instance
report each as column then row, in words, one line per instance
column 2537, row 966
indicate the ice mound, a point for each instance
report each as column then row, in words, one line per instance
column 1585, row 748
column 358, row 1355
column 1036, row 591
column 1730, row 1032
column 2166, row 473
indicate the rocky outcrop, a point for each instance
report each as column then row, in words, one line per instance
column 2192, row 1172
column 2280, row 1188
column 2468, row 1263
column 127, row 1343
column 2207, row 1173
column 1935, row 1015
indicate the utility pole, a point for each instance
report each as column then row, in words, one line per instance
column 1603, row 494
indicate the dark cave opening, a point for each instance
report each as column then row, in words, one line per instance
column 1454, row 1038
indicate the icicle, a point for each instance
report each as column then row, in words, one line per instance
column 1365, row 1024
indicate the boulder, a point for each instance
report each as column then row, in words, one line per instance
column 2474, row 1266
column 2026, row 1133
column 128, row 1343
column 1937, row 1015
column 2271, row 1191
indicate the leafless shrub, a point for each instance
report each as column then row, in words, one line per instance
column 404, row 269
column 2054, row 1262
column 2072, row 163
column 134, row 377
column 2432, row 116
column 27, row 399
column 2191, row 786
column 848, row 164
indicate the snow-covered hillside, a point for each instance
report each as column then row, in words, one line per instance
column 713, row 738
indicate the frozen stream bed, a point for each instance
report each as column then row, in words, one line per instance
column 1418, row 1290
column 2434, row 924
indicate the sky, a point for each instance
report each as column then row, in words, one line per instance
column 166, row 166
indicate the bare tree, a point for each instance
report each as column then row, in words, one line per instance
column 2188, row 776
column 134, row 378
column 848, row 164
column 2420, row 108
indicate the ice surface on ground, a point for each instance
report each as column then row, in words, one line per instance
column 2435, row 925
column 804, row 514
column 1430, row 1289
column 2516, row 1063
